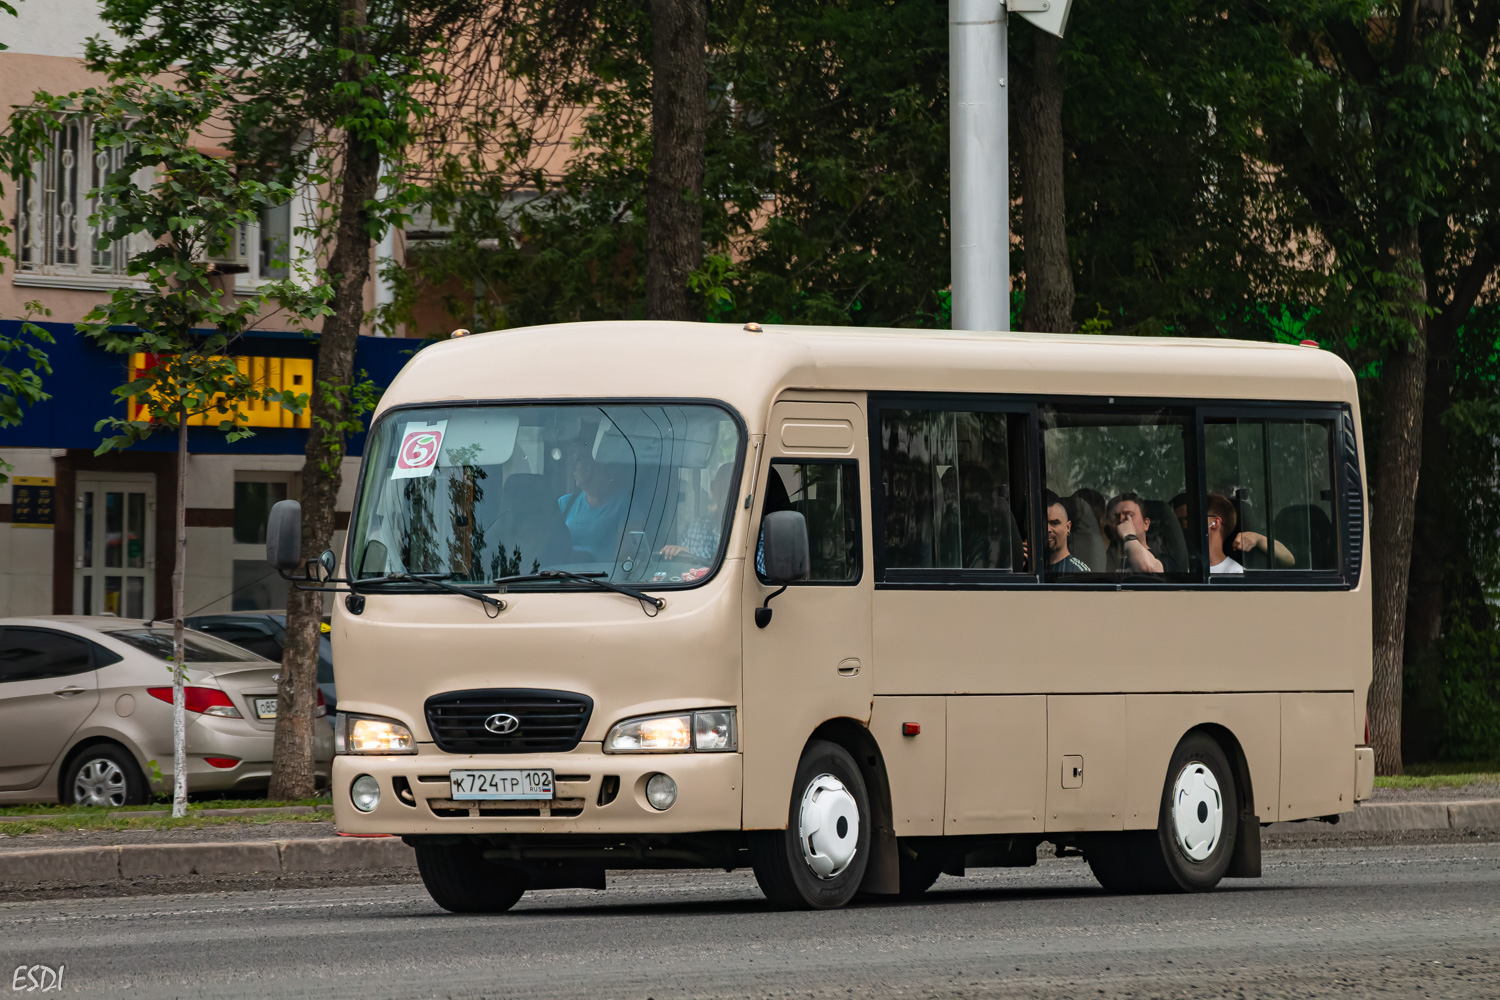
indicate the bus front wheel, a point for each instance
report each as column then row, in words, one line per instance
column 1190, row 849
column 819, row 860
column 460, row 880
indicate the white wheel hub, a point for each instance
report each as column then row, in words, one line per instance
column 1197, row 811
column 828, row 826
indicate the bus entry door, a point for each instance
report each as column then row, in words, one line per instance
column 811, row 663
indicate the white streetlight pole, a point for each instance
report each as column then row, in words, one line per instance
column 979, row 158
column 979, row 153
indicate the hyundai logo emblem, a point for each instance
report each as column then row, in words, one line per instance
column 501, row 724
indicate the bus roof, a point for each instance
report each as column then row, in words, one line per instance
column 748, row 368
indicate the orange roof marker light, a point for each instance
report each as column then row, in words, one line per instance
column 460, row 332
column 752, row 327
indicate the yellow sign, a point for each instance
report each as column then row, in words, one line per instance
column 293, row 375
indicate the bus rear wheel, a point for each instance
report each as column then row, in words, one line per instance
column 460, row 880
column 819, row 860
column 1191, row 847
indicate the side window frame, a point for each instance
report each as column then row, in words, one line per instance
column 1287, row 579
column 954, row 577
column 92, row 650
column 1194, row 476
column 859, row 528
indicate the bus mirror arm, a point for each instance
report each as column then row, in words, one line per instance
column 763, row 613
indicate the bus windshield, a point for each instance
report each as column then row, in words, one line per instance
column 638, row 493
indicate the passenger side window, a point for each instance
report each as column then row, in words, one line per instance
column 1116, row 494
column 955, row 489
column 28, row 654
column 827, row 495
column 1272, row 480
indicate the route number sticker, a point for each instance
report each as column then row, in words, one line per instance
column 418, row 454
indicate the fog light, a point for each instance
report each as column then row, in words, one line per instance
column 366, row 793
column 661, row 791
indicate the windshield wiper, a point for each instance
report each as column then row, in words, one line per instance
column 596, row 579
column 437, row 581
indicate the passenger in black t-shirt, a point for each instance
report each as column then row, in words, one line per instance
column 1059, row 526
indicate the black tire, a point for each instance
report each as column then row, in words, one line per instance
column 1167, row 859
column 104, row 774
column 460, row 880
column 781, row 865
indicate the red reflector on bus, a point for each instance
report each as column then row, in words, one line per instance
column 910, row 728
column 1309, row 343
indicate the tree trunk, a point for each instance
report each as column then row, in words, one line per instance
column 293, row 775
column 674, row 185
column 1038, row 109
column 1394, row 505
column 1433, row 546
column 179, row 652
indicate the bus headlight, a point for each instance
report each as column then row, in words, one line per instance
column 711, row 730
column 354, row 734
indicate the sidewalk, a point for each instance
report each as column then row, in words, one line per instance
column 277, row 849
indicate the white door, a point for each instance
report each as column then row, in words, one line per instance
column 114, row 546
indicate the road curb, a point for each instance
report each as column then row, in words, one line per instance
column 1401, row 817
column 90, row 865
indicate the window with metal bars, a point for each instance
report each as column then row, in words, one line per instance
column 58, row 231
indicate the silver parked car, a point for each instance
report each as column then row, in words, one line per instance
column 86, row 710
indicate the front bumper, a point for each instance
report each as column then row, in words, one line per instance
column 709, row 791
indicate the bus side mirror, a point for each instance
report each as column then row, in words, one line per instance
column 784, row 551
column 284, row 535
column 784, row 547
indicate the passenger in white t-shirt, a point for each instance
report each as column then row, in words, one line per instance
column 1221, row 522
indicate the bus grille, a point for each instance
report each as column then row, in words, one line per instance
column 550, row 721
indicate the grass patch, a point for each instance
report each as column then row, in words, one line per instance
column 124, row 819
column 1444, row 776
column 58, row 809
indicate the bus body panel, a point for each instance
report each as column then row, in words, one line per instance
column 1021, row 640
column 1086, row 733
column 1317, row 769
column 914, row 765
column 997, row 765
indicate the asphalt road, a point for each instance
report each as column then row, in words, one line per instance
column 1391, row 921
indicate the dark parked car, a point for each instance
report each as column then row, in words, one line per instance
column 264, row 633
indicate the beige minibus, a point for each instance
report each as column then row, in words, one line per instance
column 849, row 607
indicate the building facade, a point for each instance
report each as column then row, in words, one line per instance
column 82, row 533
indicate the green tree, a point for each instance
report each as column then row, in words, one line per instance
column 825, row 173
column 324, row 93
column 187, row 318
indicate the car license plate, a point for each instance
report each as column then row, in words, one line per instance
column 501, row 784
column 265, row 708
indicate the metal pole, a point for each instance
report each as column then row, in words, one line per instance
column 979, row 164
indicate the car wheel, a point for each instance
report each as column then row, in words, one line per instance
column 819, row 860
column 460, row 880
column 104, row 775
